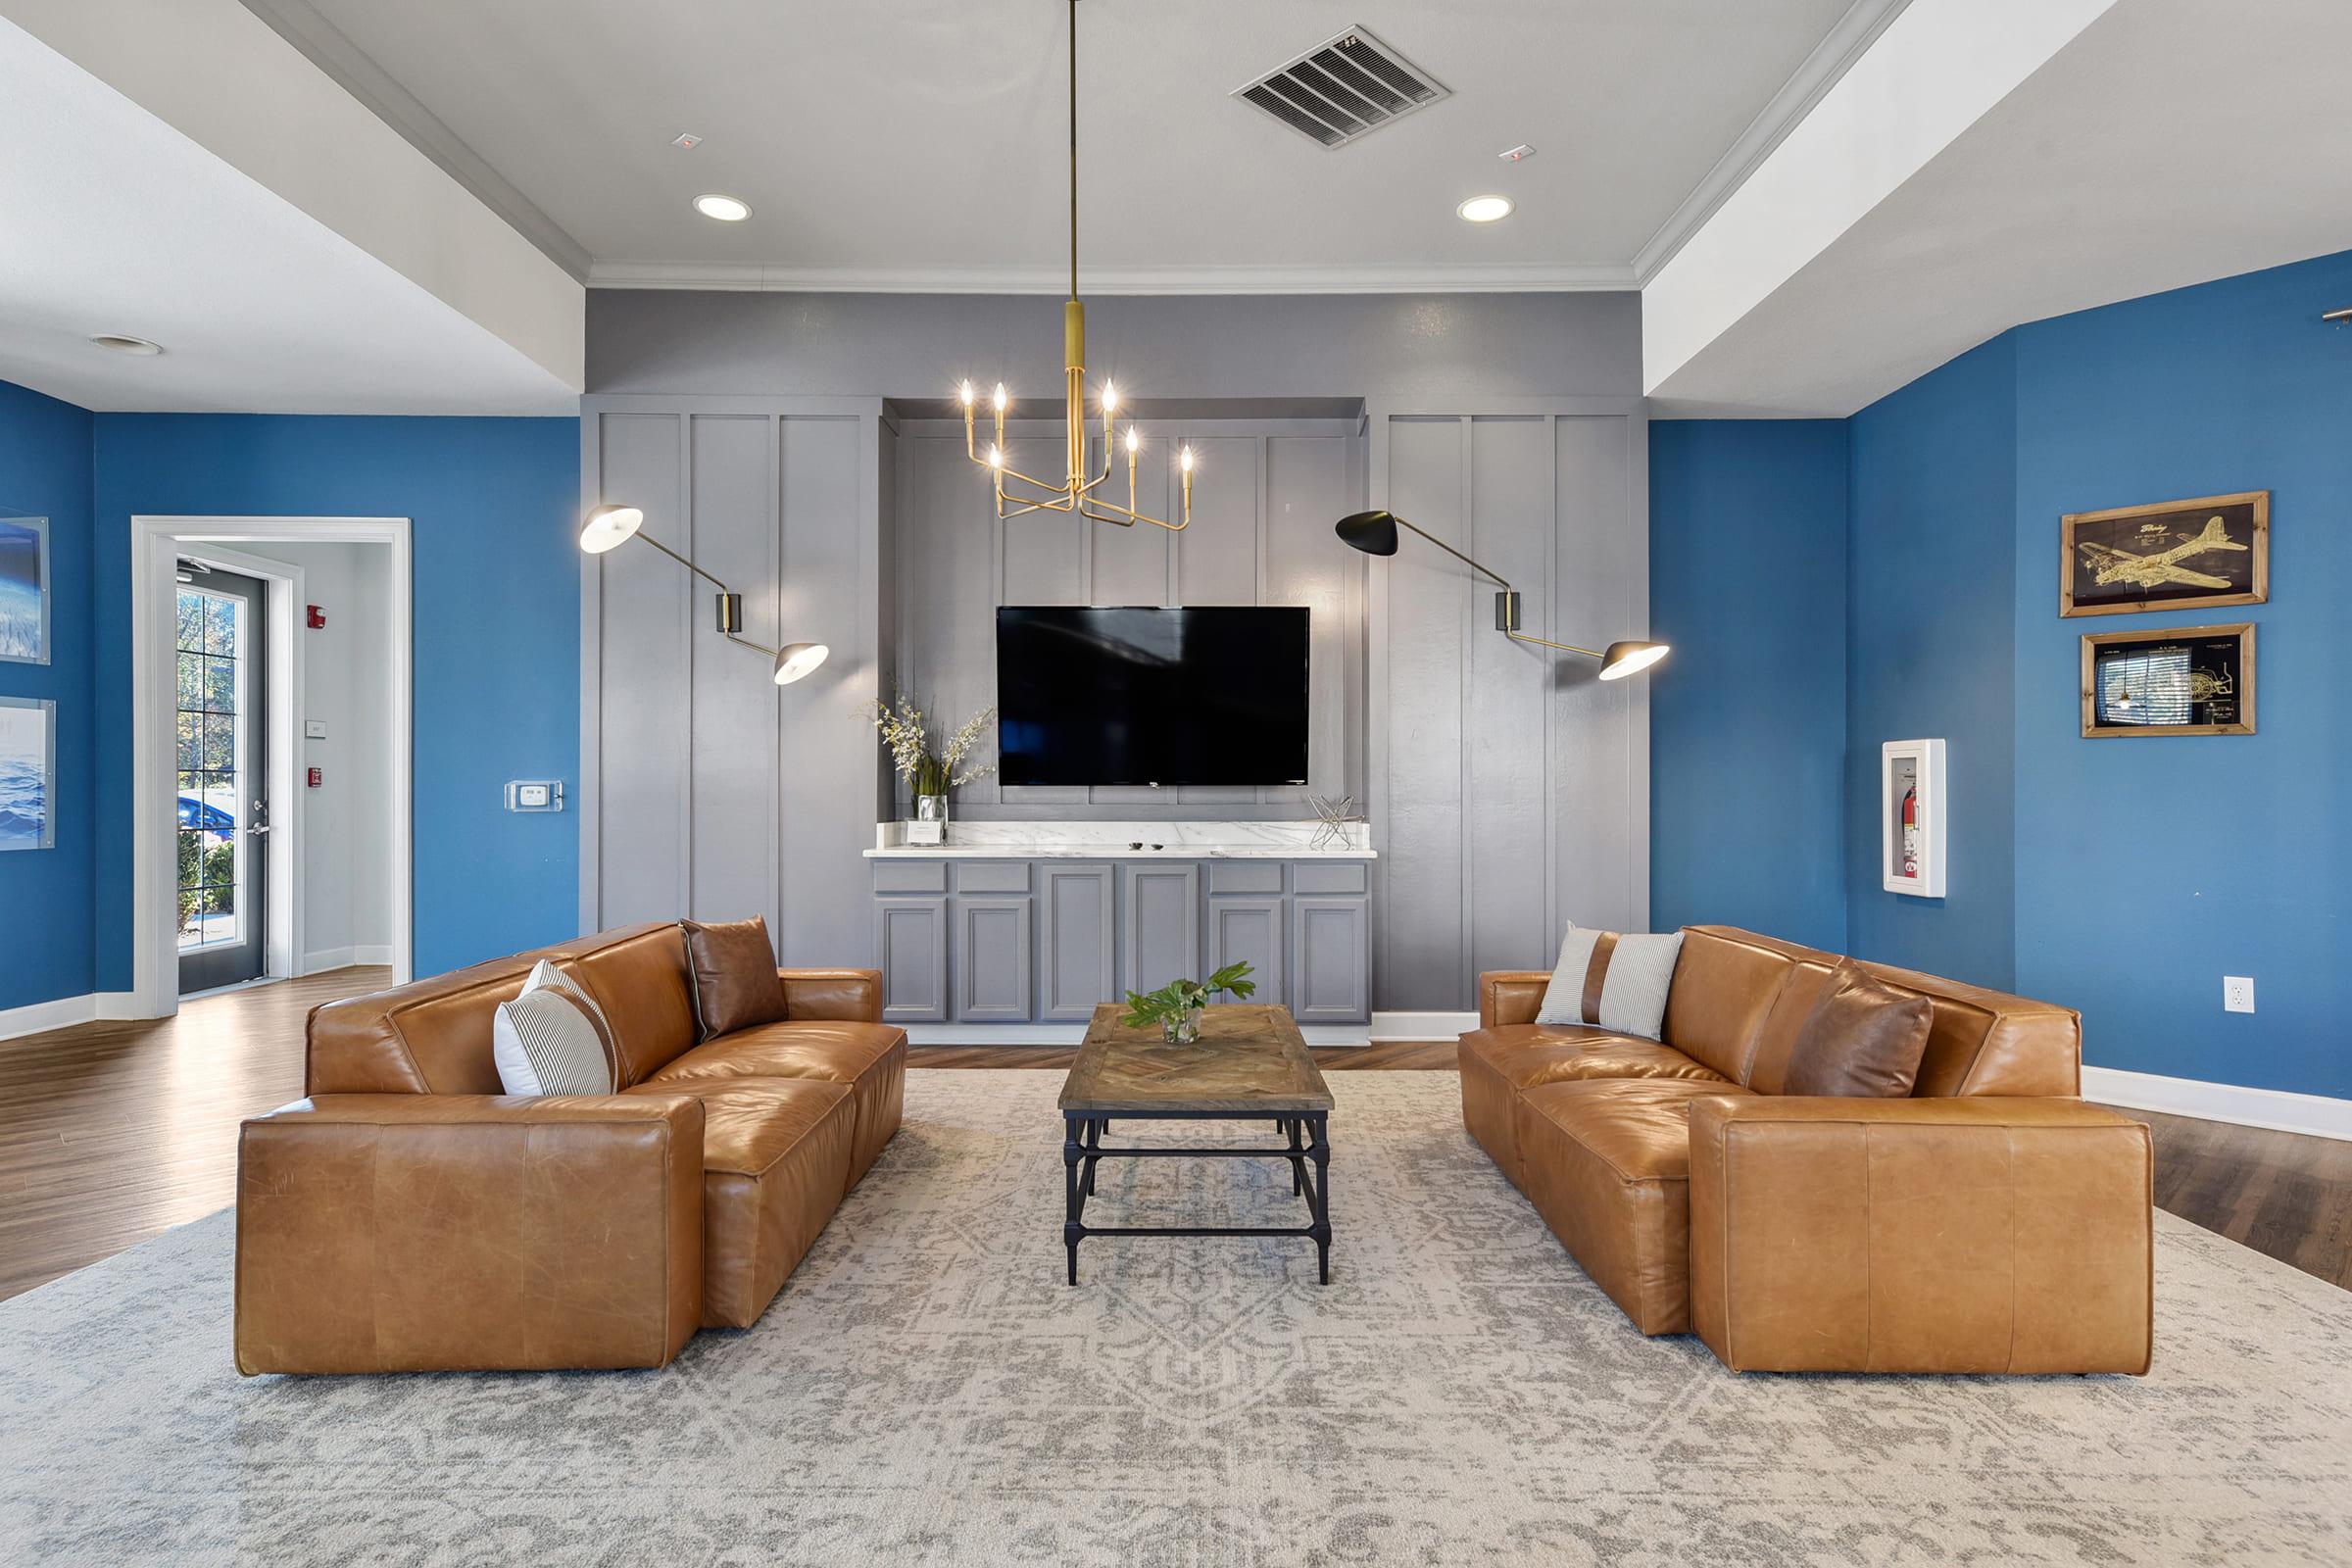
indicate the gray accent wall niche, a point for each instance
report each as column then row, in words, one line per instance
column 792, row 443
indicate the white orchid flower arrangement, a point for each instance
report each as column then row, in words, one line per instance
column 906, row 730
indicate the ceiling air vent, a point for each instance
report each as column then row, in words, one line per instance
column 1342, row 89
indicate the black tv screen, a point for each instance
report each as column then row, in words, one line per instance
column 1203, row 696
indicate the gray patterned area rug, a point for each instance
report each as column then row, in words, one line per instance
column 927, row 1390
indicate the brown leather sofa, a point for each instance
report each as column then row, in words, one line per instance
column 1990, row 1222
column 408, row 1216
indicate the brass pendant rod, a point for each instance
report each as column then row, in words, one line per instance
column 1073, row 149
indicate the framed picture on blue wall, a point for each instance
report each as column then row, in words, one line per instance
column 2180, row 680
column 24, row 590
column 2174, row 555
column 27, row 774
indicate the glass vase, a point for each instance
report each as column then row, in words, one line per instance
column 1181, row 1028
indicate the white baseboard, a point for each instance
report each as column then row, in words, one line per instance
column 39, row 1017
column 2278, row 1109
column 1385, row 1026
column 326, row 958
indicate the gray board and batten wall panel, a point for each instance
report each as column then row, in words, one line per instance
column 799, row 439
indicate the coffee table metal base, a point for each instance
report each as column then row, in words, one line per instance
column 1308, row 1151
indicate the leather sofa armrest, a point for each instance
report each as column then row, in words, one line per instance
column 850, row 996
column 1510, row 995
column 1976, row 1234
column 397, row 1233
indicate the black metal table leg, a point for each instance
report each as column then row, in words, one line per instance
column 1071, row 1229
column 1319, row 1150
column 1094, row 1142
column 1298, row 1163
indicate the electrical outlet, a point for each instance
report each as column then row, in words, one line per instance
column 2238, row 993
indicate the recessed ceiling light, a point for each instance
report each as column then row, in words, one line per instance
column 1484, row 209
column 120, row 344
column 726, row 209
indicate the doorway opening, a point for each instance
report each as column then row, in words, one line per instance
column 271, row 693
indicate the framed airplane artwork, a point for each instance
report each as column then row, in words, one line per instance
column 2178, row 554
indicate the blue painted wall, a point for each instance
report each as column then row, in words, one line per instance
column 2124, row 876
column 2149, row 867
column 45, row 895
column 494, row 504
column 1747, row 719
column 1928, row 653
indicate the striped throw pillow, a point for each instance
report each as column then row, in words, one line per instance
column 1612, row 981
column 553, row 1040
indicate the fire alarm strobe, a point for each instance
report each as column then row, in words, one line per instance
column 317, row 618
column 318, row 778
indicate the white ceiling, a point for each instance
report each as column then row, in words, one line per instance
column 117, row 222
column 921, row 143
column 2171, row 143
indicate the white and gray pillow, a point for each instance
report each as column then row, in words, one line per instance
column 1612, row 981
column 553, row 1040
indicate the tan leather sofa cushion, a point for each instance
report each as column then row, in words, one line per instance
column 638, row 976
column 870, row 1057
column 733, row 966
column 775, row 1162
column 1768, row 1069
column 1607, row 1163
column 1724, row 984
column 1862, row 1040
column 1991, row 1043
column 432, row 1037
column 1530, row 1054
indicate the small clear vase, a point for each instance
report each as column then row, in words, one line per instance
column 1182, row 1028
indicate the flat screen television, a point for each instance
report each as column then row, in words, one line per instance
column 1131, row 696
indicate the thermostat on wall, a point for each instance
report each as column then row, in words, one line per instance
column 535, row 795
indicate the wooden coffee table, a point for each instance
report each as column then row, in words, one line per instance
column 1250, row 1064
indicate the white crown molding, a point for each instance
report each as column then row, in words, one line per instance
column 1526, row 280
column 1829, row 62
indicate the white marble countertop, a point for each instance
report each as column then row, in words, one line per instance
column 1126, row 840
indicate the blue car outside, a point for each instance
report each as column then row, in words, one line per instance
column 205, row 816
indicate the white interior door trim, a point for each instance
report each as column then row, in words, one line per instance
column 156, row 542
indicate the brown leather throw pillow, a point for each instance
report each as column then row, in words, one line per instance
column 735, row 981
column 1862, row 1040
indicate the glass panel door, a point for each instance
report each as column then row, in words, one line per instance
column 223, row 813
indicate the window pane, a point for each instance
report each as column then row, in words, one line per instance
column 221, row 685
column 191, row 621
column 219, row 742
column 191, row 680
column 191, row 741
column 191, row 858
column 219, row 625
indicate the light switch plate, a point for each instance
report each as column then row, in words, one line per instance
column 314, row 729
column 2238, row 993
column 535, row 795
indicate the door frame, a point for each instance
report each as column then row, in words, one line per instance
column 156, row 542
column 283, row 700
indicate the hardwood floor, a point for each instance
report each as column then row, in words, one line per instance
column 112, row 1133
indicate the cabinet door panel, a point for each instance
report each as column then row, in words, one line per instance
column 1077, row 968
column 1328, row 949
column 911, row 941
column 1160, row 918
column 1248, row 931
column 991, row 960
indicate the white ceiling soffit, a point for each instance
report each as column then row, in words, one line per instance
column 2163, row 143
column 918, row 146
column 153, row 188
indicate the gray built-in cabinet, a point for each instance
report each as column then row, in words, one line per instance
column 1045, row 941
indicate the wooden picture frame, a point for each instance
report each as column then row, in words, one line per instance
column 2198, row 554
column 2212, row 685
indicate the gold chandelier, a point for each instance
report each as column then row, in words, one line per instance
column 1016, row 492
